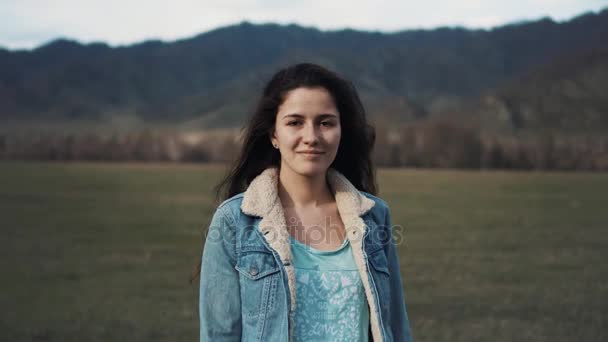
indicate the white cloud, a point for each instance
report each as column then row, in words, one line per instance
column 27, row 23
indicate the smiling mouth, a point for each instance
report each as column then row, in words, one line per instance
column 311, row 153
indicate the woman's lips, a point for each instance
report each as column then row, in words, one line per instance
column 311, row 152
column 311, row 155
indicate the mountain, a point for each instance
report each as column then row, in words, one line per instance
column 213, row 79
column 569, row 94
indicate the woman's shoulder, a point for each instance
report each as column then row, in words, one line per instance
column 231, row 205
column 236, row 199
column 379, row 203
column 380, row 215
column 380, row 212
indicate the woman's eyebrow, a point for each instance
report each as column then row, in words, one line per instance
column 320, row 116
column 328, row 115
column 293, row 115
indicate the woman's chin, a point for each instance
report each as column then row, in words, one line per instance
column 311, row 169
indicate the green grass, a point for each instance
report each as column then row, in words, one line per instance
column 103, row 252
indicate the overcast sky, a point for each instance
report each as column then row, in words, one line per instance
column 29, row 23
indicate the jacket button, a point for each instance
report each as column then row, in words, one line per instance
column 253, row 271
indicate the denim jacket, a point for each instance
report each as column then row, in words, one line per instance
column 247, row 287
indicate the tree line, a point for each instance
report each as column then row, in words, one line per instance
column 426, row 144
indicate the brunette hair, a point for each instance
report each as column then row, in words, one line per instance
column 353, row 158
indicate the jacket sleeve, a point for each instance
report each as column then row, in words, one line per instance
column 399, row 322
column 219, row 293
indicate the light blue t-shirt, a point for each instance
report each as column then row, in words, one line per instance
column 331, row 303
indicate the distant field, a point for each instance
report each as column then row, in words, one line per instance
column 103, row 252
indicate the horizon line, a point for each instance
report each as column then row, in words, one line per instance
column 303, row 26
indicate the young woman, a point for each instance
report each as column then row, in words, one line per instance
column 300, row 249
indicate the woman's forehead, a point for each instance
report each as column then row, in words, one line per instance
column 308, row 102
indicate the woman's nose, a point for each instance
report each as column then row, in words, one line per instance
column 310, row 134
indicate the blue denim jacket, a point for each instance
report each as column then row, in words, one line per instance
column 247, row 287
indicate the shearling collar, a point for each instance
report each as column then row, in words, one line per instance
column 261, row 199
column 262, row 194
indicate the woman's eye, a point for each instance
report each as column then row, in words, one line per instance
column 292, row 123
column 327, row 123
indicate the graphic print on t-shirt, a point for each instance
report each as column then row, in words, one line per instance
column 331, row 304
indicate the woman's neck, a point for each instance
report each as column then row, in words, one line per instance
column 299, row 191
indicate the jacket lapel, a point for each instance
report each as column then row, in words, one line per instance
column 261, row 199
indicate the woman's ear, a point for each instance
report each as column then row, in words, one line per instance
column 273, row 139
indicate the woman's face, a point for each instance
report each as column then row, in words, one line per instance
column 307, row 131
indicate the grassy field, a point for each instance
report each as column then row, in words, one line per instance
column 103, row 252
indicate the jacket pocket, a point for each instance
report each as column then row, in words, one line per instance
column 259, row 278
column 379, row 261
column 256, row 265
